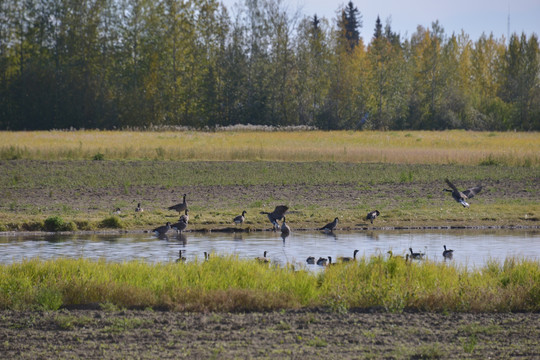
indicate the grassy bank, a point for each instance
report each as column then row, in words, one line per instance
column 405, row 147
column 81, row 195
column 229, row 284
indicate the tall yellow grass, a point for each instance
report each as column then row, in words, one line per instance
column 408, row 147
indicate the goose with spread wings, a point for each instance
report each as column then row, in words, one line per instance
column 276, row 215
column 461, row 196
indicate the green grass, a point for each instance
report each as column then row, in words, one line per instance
column 229, row 284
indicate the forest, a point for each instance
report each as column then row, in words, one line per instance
column 106, row 64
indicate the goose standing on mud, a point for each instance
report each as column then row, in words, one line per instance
column 179, row 207
column 459, row 196
column 162, row 230
column 240, row 218
column 372, row 215
column 263, row 259
column 285, row 229
column 276, row 215
column 447, row 254
column 416, row 255
column 348, row 258
column 330, row 226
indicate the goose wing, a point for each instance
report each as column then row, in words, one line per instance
column 469, row 193
column 451, row 185
column 279, row 211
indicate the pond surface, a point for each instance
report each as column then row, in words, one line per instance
column 472, row 248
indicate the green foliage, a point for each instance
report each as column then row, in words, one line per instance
column 98, row 157
column 229, row 284
column 112, row 222
column 56, row 223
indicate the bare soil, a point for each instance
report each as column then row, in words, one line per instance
column 98, row 334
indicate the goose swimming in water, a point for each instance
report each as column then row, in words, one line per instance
column 330, row 226
column 459, row 196
column 180, row 257
column 447, row 253
column 276, row 215
column 416, row 255
column 348, row 258
column 263, row 259
column 322, row 261
column 310, row 260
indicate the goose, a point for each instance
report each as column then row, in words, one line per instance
column 179, row 226
column 161, row 230
column 117, row 211
column 310, row 260
column 139, row 208
column 348, row 258
column 206, row 256
column 391, row 255
column 180, row 257
column 285, row 229
column 322, row 261
column 184, row 217
column 276, row 215
column 179, row 207
column 330, row 226
column 372, row 215
column 240, row 218
column 417, row 255
column 459, row 196
column 447, row 253
column 263, row 259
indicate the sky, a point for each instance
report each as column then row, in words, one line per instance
column 474, row 17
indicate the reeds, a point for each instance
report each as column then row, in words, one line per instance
column 229, row 284
column 411, row 147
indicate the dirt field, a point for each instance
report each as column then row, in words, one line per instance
column 93, row 334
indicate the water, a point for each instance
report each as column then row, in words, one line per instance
column 472, row 248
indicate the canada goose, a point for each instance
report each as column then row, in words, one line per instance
column 285, row 229
column 184, row 217
column 391, row 255
column 179, row 226
column 417, row 255
column 348, row 258
column 139, row 208
column 179, row 207
column 330, row 226
column 263, row 259
column 372, row 215
column 459, row 196
column 117, row 211
column 447, row 253
column 276, row 215
column 180, row 257
column 310, row 260
column 206, row 256
column 322, row 261
column 240, row 218
column 161, row 230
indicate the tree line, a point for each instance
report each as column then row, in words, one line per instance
column 137, row 63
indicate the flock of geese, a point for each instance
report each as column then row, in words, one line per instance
column 279, row 215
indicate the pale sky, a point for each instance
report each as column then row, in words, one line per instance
column 473, row 16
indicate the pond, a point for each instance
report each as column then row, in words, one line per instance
column 472, row 248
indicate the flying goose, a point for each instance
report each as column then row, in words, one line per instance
column 447, row 253
column 180, row 257
column 322, row 261
column 179, row 207
column 285, row 229
column 310, row 260
column 240, row 218
column 330, row 226
column 372, row 215
column 184, row 217
column 416, row 255
column 161, row 230
column 276, row 215
column 459, row 196
column 262, row 259
column 139, row 208
column 348, row 258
